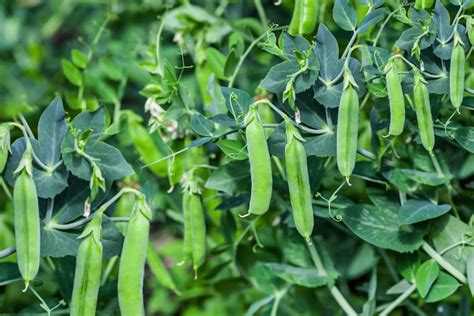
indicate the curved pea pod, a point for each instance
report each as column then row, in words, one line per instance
column 27, row 226
column 304, row 17
column 423, row 111
column 132, row 261
column 423, row 4
column 347, row 127
column 294, row 27
column 194, row 229
column 4, row 145
column 470, row 28
column 298, row 182
column 456, row 73
column 260, row 164
column 88, row 270
column 396, row 99
column 159, row 270
column 144, row 144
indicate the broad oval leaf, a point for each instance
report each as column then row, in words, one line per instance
column 307, row 277
column 426, row 275
column 380, row 227
column 444, row 286
column 414, row 211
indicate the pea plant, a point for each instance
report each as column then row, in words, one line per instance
column 239, row 162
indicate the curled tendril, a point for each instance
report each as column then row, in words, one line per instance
column 244, row 215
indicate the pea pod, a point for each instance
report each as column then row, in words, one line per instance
column 423, row 4
column 298, row 181
column 27, row 225
column 456, row 73
column 132, row 261
column 260, row 164
column 395, row 98
column 347, row 126
column 159, row 270
column 88, row 270
column 304, row 17
column 470, row 28
column 4, row 145
column 194, row 228
column 423, row 111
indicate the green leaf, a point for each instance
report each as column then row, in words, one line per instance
column 371, row 19
column 321, row 146
column 414, row 211
column 71, row 72
column 201, row 125
column 465, row 137
column 444, row 286
column 228, row 177
column 216, row 61
column 9, row 273
column 233, row 148
column 470, row 272
column 237, row 102
column 307, row 277
column 449, row 235
column 344, row 15
column 426, row 275
column 380, row 227
column 79, row 58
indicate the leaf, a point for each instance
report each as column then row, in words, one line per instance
column 344, row 15
column 253, row 309
column 414, row 211
column 444, row 286
column 399, row 288
column 307, row 277
column 448, row 235
column 51, row 131
column 73, row 75
column 371, row 19
column 380, row 227
column 9, row 273
column 228, row 177
column 48, row 184
column 470, row 273
column 201, row 125
column 56, row 243
column 426, row 275
column 465, row 137
column 79, row 58
column 237, row 102
column 321, row 146
column 441, row 20
column 233, row 148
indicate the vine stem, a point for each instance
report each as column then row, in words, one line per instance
column 442, row 262
column 336, row 294
column 398, row 300
column 379, row 33
column 5, row 189
column 247, row 52
column 7, row 252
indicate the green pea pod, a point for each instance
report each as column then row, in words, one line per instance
column 194, row 229
column 396, row 99
column 4, row 145
column 304, row 17
column 298, row 181
column 423, row 111
column 88, row 270
column 27, row 226
column 347, row 126
column 159, row 270
column 132, row 261
column 144, row 144
column 423, row 4
column 470, row 28
column 260, row 164
column 456, row 73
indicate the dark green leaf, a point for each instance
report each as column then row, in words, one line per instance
column 307, row 277
column 414, row 211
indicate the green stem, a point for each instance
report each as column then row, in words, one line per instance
column 443, row 263
column 398, row 300
column 5, row 189
column 247, row 52
column 336, row 294
column 7, row 252
column 261, row 13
